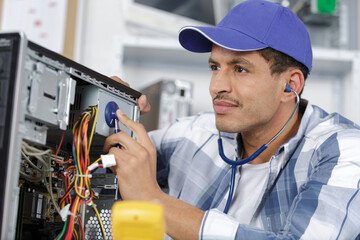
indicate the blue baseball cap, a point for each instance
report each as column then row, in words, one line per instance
column 253, row 25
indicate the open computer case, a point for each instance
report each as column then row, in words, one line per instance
column 54, row 118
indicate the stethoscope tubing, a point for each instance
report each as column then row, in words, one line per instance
column 235, row 163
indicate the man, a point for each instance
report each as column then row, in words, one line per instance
column 305, row 184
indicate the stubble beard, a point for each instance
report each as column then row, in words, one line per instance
column 222, row 123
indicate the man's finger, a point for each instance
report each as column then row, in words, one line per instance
column 142, row 101
column 119, row 80
column 122, row 138
column 143, row 104
column 137, row 128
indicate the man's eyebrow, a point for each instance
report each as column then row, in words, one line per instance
column 239, row 60
column 212, row 61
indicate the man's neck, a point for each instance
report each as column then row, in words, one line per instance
column 253, row 141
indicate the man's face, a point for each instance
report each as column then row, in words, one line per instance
column 246, row 97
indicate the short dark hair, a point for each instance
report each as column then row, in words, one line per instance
column 280, row 62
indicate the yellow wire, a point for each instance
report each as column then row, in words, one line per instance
column 97, row 160
column 76, row 235
column 78, row 152
column 78, row 142
column 83, row 179
column 77, row 191
column 86, row 180
column 94, row 113
column 74, row 127
column 77, row 159
column 95, row 195
column 98, row 215
column 95, row 110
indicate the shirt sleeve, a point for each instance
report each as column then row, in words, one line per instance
column 217, row 225
column 162, row 164
column 166, row 140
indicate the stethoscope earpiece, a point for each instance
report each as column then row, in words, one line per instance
column 288, row 88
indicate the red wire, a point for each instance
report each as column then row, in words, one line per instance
column 81, row 228
column 83, row 135
column 58, row 149
column 70, row 170
column 75, row 139
column 80, row 144
column 71, row 224
column 91, row 198
column 85, row 129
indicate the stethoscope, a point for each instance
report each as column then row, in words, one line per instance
column 235, row 163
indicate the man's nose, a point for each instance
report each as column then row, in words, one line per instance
column 220, row 82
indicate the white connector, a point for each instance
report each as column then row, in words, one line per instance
column 64, row 212
column 93, row 166
column 108, row 160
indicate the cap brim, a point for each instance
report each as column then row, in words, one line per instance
column 201, row 39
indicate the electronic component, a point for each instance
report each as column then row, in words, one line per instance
column 92, row 95
column 52, row 112
column 110, row 113
column 170, row 99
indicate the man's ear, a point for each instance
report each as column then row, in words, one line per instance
column 296, row 80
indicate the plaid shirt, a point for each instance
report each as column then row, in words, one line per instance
column 312, row 191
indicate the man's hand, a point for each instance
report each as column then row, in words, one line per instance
column 136, row 172
column 142, row 101
column 135, row 161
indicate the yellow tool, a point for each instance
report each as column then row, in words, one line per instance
column 136, row 220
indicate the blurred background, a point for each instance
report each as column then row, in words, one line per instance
column 137, row 41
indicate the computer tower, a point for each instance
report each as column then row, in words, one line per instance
column 169, row 100
column 54, row 116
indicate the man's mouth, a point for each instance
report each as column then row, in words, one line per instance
column 223, row 105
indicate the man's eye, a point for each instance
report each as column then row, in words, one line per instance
column 240, row 69
column 214, row 68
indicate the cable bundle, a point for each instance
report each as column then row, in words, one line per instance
column 40, row 168
column 77, row 176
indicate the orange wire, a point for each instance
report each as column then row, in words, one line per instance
column 58, row 149
column 86, row 162
column 65, row 196
column 72, row 167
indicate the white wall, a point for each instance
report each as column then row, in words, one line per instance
column 101, row 38
column 101, row 49
column 101, row 23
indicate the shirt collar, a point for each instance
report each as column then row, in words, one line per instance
column 290, row 146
